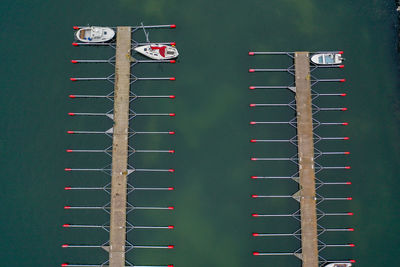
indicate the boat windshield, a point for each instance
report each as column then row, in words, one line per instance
column 329, row 59
column 96, row 32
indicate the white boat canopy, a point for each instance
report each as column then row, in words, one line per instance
column 327, row 59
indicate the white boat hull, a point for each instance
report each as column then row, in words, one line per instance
column 338, row 265
column 95, row 34
column 327, row 59
column 158, row 51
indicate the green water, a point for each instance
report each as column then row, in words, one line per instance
column 212, row 197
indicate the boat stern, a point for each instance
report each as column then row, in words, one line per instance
column 338, row 58
column 172, row 52
column 80, row 34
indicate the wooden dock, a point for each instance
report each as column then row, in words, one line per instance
column 120, row 149
column 309, row 237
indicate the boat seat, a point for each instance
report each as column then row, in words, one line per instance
column 82, row 34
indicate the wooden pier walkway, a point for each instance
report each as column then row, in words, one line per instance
column 120, row 149
column 309, row 237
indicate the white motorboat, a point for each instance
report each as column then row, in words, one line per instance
column 95, row 34
column 338, row 265
column 327, row 59
column 158, row 51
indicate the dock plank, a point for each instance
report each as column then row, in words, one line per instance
column 120, row 149
column 309, row 237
